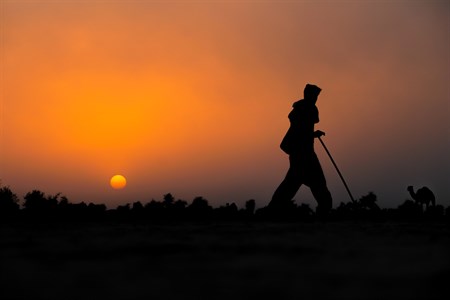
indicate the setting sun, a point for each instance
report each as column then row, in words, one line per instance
column 118, row 182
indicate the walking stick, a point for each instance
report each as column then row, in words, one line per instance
column 337, row 169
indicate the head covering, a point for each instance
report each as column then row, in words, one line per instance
column 311, row 91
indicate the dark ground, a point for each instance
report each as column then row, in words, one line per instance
column 237, row 260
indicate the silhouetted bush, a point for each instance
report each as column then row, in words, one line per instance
column 38, row 207
column 35, row 201
column 409, row 211
column 228, row 212
column 168, row 200
column 179, row 205
column 248, row 212
column 367, row 202
column 363, row 208
column 9, row 204
column 8, row 200
column 199, row 209
column 434, row 212
column 154, row 210
column 250, row 207
column 138, row 210
column 305, row 212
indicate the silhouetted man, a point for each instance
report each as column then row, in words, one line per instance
column 304, row 165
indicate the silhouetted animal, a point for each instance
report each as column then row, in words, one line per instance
column 423, row 196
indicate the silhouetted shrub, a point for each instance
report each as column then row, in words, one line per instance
column 304, row 212
column 228, row 212
column 409, row 210
column 8, row 201
column 447, row 213
column 178, row 210
column 367, row 202
column 137, row 207
column 199, row 209
column 96, row 210
column 35, row 201
column 248, row 212
column 363, row 208
column 435, row 212
column 180, row 204
column 39, row 207
column 250, row 207
column 168, row 200
column 154, row 211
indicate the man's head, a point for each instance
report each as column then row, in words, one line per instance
column 311, row 92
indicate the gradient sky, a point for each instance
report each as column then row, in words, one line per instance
column 192, row 97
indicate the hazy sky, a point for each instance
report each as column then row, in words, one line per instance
column 192, row 97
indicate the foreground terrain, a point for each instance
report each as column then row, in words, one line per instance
column 228, row 260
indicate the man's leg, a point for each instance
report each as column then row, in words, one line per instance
column 323, row 198
column 289, row 186
column 319, row 189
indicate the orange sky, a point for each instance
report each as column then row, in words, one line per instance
column 192, row 97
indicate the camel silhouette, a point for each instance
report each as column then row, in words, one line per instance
column 423, row 196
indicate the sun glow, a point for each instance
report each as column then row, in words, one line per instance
column 118, row 182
